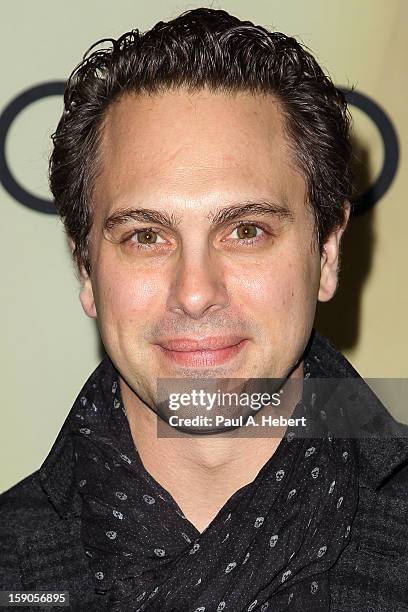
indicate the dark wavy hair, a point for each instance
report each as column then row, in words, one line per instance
column 203, row 48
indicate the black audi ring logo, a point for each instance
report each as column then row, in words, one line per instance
column 56, row 88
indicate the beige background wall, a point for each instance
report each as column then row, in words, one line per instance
column 48, row 347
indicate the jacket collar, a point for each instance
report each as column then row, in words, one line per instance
column 379, row 458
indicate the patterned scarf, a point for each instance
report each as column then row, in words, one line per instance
column 270, row 546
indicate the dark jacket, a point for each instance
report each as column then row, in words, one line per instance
column 41, row 548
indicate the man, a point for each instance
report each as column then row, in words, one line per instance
column 202, row 173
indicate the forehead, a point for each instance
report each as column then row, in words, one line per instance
column 186, row 147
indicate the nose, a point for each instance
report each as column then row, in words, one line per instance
column 197, row 286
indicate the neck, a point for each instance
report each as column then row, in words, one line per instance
column 200, row 472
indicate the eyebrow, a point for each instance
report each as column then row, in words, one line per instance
column 217, row 217
column 145, row 215
column 258, row 208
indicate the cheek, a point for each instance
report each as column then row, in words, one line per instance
column 273, row 285
column 279, row 293
column 126, row 298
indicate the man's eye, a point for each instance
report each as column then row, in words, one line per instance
column 146, row 236
column 246, row 231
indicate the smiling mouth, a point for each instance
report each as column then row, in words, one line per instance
column 203, row 352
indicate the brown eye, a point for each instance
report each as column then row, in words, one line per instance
column 146, row 237
column 246, row 231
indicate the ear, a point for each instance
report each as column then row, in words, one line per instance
column 329, row 260
column 86, row 295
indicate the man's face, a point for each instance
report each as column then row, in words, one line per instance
column 211, row 271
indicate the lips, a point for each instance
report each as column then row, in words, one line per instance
column 202, row 352
column 211, row 343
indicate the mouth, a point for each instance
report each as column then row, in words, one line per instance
column 204, row 352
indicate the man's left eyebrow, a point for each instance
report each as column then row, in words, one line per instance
column 257, row 208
